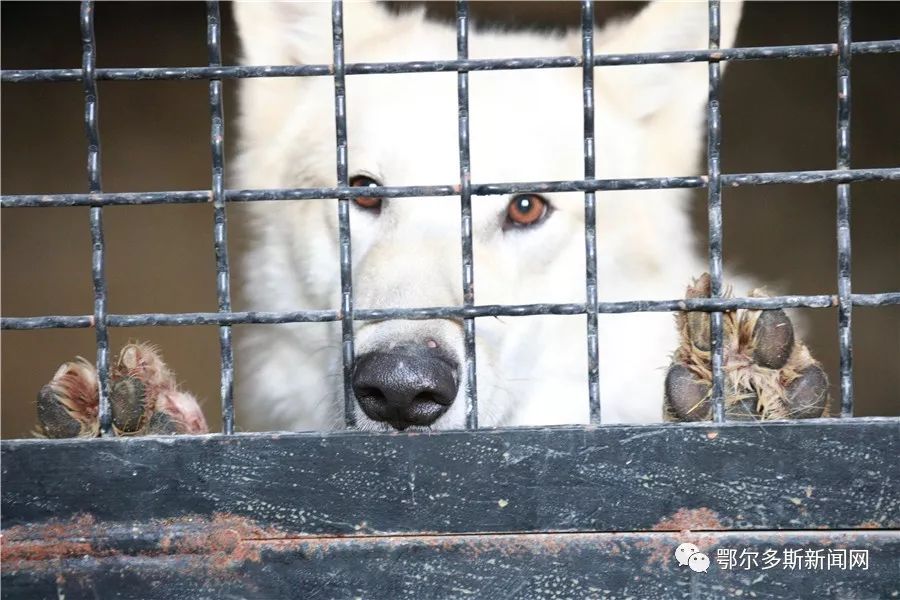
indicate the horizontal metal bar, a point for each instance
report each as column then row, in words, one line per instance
column 482, row 189
column 498, row 64
column 446, row 312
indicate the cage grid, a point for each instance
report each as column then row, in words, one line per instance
column 170, row 517
column 714, row 181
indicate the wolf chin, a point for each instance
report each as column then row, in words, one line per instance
column 402, row 129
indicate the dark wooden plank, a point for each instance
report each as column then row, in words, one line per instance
column 600, row 565
column 806, row 475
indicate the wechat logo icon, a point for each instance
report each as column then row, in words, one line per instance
column 689, row 555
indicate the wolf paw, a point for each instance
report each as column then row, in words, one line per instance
column 769, row 373
column 143, row 394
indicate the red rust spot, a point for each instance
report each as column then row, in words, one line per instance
column 684, row 520
column 661, row 547
column 872, row 525
column 687, row 519
column 45, row 542
column 222, row 543
column 712, row 435
column 38, row 551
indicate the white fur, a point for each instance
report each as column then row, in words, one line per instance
column 525, row 126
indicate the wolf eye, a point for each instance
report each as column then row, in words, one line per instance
column 367, row 202
column 524, row 210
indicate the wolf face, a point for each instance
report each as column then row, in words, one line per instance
column 402, row 130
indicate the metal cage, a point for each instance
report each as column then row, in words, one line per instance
column 593, row 511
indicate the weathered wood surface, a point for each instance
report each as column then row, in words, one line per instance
column 805, row 475
column 529, row 513
column 540, row 566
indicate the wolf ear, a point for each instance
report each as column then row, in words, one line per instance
column 290, row 33
column 663, row 26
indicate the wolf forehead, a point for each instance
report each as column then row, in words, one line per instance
column 403, row 127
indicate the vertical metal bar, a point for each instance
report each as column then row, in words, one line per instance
column 713, row 148
column 590, row 208
column 220, row 227
column 340, row 121
column 465, row 195
column 98, row 274
column 845, row 337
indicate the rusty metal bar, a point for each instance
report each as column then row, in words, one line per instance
column 714, row 189
column 844, row 264
column 98, row 252
column 590, row 211
column 346, row 256
column 487, row 64
column 478, row 189
column 465, row 196
column 220, row 229
column 447, row 312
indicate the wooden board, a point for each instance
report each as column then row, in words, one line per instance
column 449, row 514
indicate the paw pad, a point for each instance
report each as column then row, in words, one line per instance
column 144, row 399
column 769, row 373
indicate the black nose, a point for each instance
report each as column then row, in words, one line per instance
column 407, row 385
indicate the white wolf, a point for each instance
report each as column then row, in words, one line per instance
column 525, row 125
column 402, row 130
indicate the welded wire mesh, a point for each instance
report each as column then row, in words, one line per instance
column 714, row 181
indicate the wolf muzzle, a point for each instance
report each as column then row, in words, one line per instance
column 406, row 385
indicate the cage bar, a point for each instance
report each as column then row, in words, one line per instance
column 590, row 210
column 478, row 189
column 845, row 337
column 340, row 127
column 98, row 248
column 448, row 312
column 714, row 210
column 484, row 64
column 465, row 197
column 219, row 196
column 220, row 228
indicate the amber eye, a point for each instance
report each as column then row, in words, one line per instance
column 367, row 202
column 526, row 209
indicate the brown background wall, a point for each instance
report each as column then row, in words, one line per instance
column 778, row 115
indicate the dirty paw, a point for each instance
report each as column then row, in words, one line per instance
column 769, row 373
column 143, row 394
